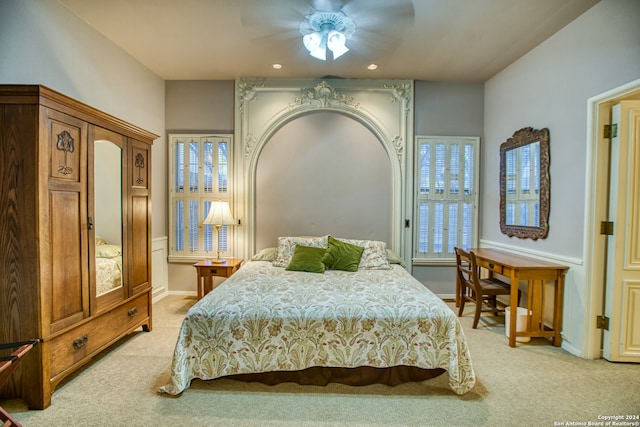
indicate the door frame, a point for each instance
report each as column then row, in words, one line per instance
column 596, row 179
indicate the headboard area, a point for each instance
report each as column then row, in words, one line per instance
column 317, row 157
column 323, row 173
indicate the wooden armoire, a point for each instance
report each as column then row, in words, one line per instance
column 60, row 193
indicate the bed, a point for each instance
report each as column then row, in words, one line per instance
column 108, row 266
column 270, row 318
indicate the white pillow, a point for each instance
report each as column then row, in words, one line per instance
column 108, row 251
column 266, row 254
column 286, row 246
column 374, row 256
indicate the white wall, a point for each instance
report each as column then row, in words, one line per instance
column 41, row 42
column 549, row 87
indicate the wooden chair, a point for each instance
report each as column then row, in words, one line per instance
column 477, row 290
column 8, row 364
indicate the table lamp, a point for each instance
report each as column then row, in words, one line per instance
column 219, row 215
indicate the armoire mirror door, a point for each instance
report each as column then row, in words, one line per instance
column 107, row 238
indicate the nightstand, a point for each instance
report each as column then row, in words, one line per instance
column 207, row 270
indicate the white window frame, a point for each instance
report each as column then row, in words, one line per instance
column 201, row 197
column 442, row 195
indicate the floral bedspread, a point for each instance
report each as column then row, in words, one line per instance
column 108, row 274
column 264, row 318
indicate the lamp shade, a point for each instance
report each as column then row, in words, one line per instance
column 219, row 214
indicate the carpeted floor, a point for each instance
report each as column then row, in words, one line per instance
column 534, row 384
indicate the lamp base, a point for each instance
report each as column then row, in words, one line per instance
column 217, row 261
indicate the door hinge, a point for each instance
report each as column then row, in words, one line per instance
column 602, row 322
column 611, row 131
column 606, row 228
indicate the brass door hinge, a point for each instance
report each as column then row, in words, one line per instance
column 611, row 131
column 606, row 228
column 602, row 322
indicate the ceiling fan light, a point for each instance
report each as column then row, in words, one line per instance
column 324, row 30
column 336, row 43
column 316, row 45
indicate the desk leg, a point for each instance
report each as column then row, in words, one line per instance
column 199, row 286
column 557, row 309
column 514, row 309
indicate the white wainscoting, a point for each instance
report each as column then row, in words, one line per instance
column 160, row 267
column 575, row 310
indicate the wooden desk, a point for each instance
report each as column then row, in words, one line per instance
column 207, row 270
column 536, row 273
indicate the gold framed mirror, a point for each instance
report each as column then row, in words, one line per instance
column 525, row 184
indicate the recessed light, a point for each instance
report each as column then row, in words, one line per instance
column 372, row 66
column 277, row 66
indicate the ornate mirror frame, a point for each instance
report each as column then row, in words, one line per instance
column 522, row 138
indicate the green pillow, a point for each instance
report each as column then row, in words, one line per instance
column 307, row 258
column 342, row 255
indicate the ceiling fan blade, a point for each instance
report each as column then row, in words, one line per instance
column 274, row 19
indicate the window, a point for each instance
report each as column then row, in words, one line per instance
column 199, row 174
column 447, row 197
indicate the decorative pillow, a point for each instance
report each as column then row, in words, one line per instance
column 374, row 256
column 108, row 251
column 342, row 255
column 394, row 258
column 100, row 241
column 307, row 258
column 286, row 246
column 266, row 254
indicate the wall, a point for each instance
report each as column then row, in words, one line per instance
column 549, row 87
column 447, row 109
column 201, row 107
column 292, row 181
column 41, row 42
column 440, row 109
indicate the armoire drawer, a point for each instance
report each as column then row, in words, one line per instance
column 86, row 340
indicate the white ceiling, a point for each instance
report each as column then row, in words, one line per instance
column 436, row 40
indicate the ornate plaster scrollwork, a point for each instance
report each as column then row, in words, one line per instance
column 398, row 144
column 401, row 93
column 324, row 95
column 247, row 92
column 249, row 143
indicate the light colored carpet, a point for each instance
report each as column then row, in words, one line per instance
column 534, row 384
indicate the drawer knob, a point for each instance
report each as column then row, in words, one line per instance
column 132, row 312
column 80, row 342
column 490, row 265
column 214, row 271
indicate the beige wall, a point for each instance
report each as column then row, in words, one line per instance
column 41, row 42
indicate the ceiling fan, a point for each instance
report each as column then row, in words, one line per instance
column 377, row 25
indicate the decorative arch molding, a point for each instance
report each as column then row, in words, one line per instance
column 385, row 107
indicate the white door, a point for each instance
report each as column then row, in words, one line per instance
column 621, row 342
